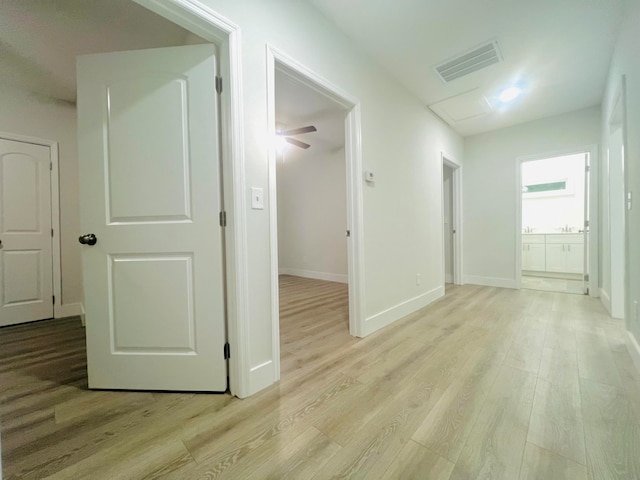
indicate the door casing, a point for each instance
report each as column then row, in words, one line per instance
column 456, row 185
column 278, row 60
column 592, row 151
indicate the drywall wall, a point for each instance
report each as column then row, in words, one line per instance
column 554, row 211
column 28, row 114
column 401, row 143
column 490, row 189
column 312, row 215
column 625, row 63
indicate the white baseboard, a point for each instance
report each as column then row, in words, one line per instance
column 634, row 349
column 390, row 315
column 490, row 281
column 605, row 299
column 260, row 377
column 329, row 277
column 68, row 310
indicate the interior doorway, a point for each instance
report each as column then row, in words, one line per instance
column 451, row 221
column 554, row 219
column 615, row 252
column 312, row 225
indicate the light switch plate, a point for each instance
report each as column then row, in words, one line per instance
column 257, row 198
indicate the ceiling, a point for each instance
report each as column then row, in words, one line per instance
column 298, row 105
column 558, row 51
column 40, row 39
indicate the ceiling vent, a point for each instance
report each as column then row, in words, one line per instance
column 472, row 61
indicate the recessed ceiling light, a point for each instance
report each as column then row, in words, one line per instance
column 509, row 94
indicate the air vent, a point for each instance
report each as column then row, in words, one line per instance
column 477, row 59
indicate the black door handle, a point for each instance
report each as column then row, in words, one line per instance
column 88, row 239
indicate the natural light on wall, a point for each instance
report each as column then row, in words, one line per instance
column 553, row 194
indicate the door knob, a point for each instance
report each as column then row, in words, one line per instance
column 88, row 239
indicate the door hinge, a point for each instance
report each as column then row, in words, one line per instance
column 587, row 168
column 348, row 233
column 52, row 232
column 219, row 85
column 586, row 277
column 227, row 351
column 51, row 166
column 586, row 223
column 53, row 299
column 223, row 219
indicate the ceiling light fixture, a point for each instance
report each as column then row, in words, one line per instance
column 509, row 94
column 281, row 144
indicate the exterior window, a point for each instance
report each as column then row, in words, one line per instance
column 559, row 187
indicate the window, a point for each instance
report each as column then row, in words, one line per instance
column 547, row 189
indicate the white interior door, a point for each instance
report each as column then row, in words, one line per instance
column 151, row 195
column 26, row 265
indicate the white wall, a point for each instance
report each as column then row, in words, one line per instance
column 548, row 212
column 312, row 215
column 401, row 143
column 31, row 115
column 625, row 62
column 490, row 189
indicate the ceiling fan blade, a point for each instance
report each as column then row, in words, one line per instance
column 297, row 143
column 298, row 131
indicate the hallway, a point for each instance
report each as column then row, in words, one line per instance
column 484, row 383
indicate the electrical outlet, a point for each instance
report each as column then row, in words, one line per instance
column 418, row 279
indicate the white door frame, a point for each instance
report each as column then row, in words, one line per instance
column 58, row 308
column 592, row 150
column 456, row 210
column 278, row 60
column 198, row 18
column 618, row 260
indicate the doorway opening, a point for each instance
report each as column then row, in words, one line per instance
column 554, row 208
column 617, row 205
column 315, row 208
column 451, row 221
column 311, row 193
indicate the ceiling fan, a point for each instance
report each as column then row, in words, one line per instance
column 287, row 135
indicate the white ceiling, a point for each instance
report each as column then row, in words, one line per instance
column 298, row 105
column 559, row 50
column 40, row 39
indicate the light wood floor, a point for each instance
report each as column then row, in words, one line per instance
column 485, row 383
column 560, row 285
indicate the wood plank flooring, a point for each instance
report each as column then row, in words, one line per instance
column 485, row 383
